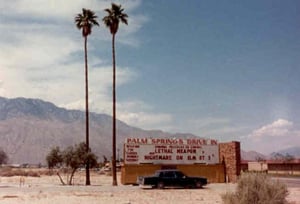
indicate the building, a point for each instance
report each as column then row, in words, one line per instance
column 218, row 162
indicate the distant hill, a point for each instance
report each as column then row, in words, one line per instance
column 29, row 128
column 252, row 155
column 293, row 151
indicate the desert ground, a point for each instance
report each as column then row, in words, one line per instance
column 48, row 190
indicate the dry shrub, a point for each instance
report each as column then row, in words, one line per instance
column 48, row 172
column 32, row 174
column 9, row 172
column 255, row 188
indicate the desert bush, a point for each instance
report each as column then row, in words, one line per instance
column 3, row 157
column 70, row 160
column 255, row 188
column 9, row 172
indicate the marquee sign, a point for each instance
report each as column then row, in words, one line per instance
column 170, row 151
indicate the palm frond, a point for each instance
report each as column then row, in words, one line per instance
column 85, row 21
column 114, row 16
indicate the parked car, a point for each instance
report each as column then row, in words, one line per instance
column 171, row 178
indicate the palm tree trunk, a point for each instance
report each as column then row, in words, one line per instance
column 87, row 167
column 114, row 170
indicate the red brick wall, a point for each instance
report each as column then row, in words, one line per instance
column 230, row 155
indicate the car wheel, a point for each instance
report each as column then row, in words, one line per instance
column 198, row 184
column 160, row 185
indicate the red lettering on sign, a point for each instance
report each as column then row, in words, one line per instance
column 179, row 157
column 183, row 151
column 166, row 141
column 201, row 157
column 213, row 142
column 191, row 157
column 170, row 151
column 158, row 157
column 137, row 140
column 196, row 142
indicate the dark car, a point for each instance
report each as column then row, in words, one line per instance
column 171, row 178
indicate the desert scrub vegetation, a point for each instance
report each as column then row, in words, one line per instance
column 10, row 172
column 257, row 188
column 70, row 160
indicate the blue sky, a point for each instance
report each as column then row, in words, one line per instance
column 227, row 70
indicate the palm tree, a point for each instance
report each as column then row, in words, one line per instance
column 114, row 16
column 85, row 21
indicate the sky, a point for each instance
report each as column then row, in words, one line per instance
column 227, row 70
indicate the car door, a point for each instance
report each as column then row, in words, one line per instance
column 180, row 179
column 169, row 178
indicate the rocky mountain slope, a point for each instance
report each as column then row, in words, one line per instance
column 252, row 155
column 29, row 128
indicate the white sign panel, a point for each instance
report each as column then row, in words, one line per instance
column 171, row 151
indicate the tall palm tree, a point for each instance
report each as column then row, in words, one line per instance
column 85, row 21
column 114, row 16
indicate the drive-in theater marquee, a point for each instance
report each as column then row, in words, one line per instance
column 171, row 151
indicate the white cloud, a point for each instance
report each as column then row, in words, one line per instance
column 56, row 9
column 135, row 22
column 146, row 120
column 100, row 82
column 278, row 135
column 278, row 128
column 37, row 50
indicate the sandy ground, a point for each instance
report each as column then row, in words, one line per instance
column 48, row 190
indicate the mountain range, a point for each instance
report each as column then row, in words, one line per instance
column 29, row 128
column 253, row 155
